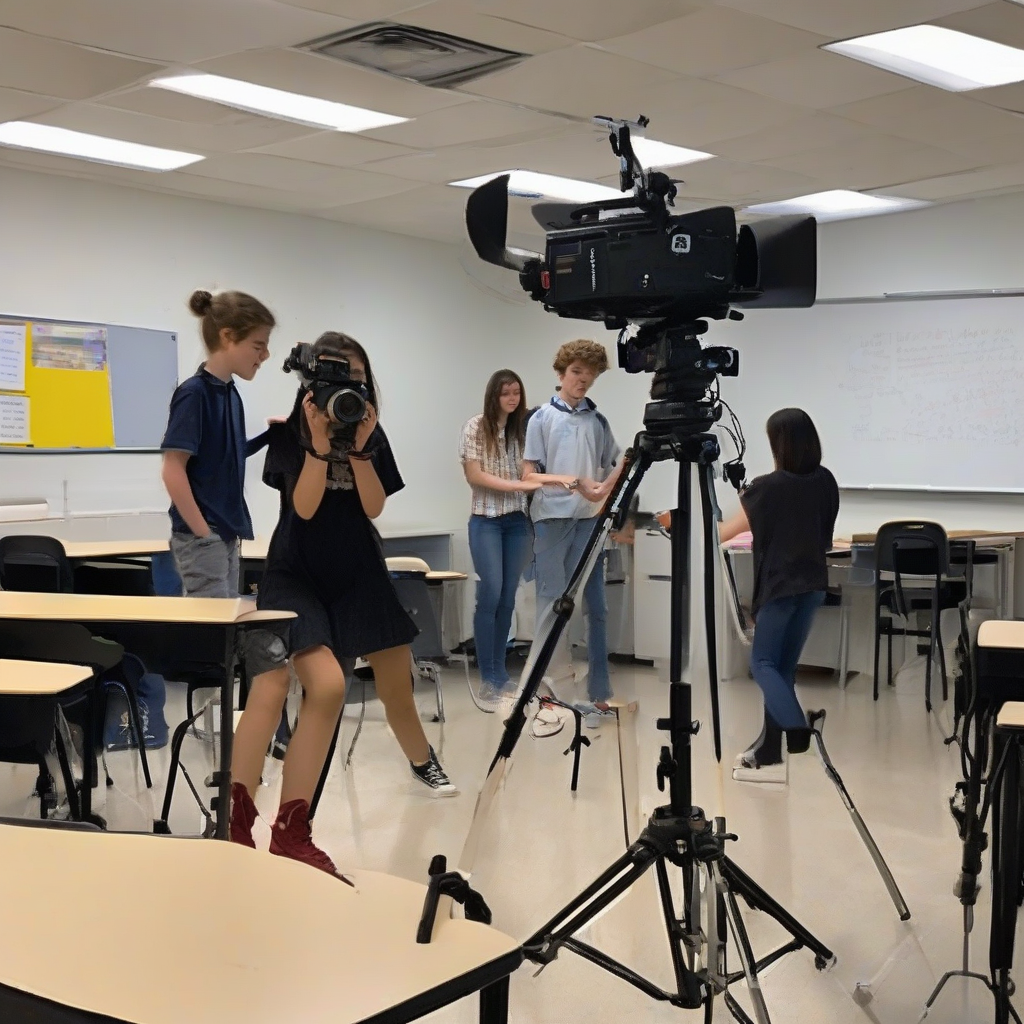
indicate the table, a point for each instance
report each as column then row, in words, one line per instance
column 335, row 955
column 145, row 624
column 39, row 678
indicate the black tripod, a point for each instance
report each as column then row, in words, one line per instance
column 677, row 833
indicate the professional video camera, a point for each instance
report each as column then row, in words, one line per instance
column 628, row 259
column 334, row 391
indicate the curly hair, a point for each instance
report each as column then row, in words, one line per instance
column 590, row 353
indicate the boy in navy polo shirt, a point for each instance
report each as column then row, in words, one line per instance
column 205, row 447
column 568, row 441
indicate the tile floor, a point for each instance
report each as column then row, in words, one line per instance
column 542, row 845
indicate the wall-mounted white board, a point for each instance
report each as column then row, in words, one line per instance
column 915, row 394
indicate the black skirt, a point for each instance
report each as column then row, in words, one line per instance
column 366, row 618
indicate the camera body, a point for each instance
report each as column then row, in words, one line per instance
column 328, row 380
column 631, row 260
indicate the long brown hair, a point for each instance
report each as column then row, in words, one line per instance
column 515, row 427
column 794, row 441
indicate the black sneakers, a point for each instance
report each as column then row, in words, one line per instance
column 433, row 776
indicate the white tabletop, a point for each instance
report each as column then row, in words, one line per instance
column 326, row 954
column 111, row 608
column 1001, row 633
column 39, row 678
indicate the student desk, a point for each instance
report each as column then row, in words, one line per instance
column 153, row 626
column 39, row 678
column 334, row 954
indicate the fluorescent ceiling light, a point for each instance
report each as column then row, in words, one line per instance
column 47, row 139
column 938, row 56
column 652, row 153
column 839, row 205
column 289, row 106
column 533, row 185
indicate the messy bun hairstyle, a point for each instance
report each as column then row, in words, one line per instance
column 239, row 313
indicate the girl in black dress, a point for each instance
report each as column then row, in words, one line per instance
column 326, row 564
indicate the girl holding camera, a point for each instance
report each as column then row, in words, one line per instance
column 326, row 564
column 791, row 514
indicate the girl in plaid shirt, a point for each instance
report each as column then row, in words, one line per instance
column 500, row 536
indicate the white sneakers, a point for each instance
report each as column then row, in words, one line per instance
column 746, row 769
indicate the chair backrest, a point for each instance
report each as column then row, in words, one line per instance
column 36, row 563
column 414, row 593
column 68, row 642
column 912, row 548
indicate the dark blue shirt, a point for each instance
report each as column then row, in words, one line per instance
column 207, row 420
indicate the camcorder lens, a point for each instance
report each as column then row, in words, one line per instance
column 346, row 406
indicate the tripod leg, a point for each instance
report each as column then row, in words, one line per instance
column 746, row 954
column 743, row 885
column 883, row 869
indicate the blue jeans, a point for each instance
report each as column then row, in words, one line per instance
column 500, row 547
column 558, row 545
column 780, row 633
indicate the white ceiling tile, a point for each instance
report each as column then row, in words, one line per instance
column 585, row 19
column 183, row 31
column 340, row 149
column 53, row 68
column 844, row 18
column 246, row 132
column 582, row 81
column 808, row 131
column 816, row 79
column 953, row 122
column 713, row 40
column 15, row 105
column 331, row 79
column 952, row 186
column 729, row 180
column 581, row 154
column 171, row 106
column 357, row 10
column 468, row 20
column 874, row 162
column 1006, row 97
column 698, row 113
column 468, row 122
column 432, row 211
column 1000, row 22
column 320, row 180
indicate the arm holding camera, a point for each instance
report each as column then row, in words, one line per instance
column 371, row 491
column 309, row 488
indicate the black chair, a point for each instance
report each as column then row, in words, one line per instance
column 912, row 564
column 30, row 725
column 35, row 563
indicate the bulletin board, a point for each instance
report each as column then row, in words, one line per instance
column 74, row 386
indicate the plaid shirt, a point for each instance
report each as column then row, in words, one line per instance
column 507, row 463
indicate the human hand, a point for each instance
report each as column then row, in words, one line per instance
column 319, row 425
column 591, row 490
column 366, row 427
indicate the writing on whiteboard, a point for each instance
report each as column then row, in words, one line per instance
column 12, row 357
column 920, row 386
column 13, row 419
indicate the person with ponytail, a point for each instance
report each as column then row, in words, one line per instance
column 205, row 447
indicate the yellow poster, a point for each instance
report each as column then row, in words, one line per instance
column 67, row 376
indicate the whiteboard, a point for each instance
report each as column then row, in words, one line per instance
column 905, row 394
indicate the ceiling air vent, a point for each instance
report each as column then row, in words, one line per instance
column 418, row 54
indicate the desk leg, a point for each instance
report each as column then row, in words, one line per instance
column 227, row 729
column 494, row 1003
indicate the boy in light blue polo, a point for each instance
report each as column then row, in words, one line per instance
column 569, row 442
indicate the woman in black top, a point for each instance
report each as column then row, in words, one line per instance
column 791, row 514
column 326, row 564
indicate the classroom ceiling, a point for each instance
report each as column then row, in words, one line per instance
column 742, row 79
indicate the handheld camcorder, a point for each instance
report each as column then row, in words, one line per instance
column 630, row 261
column 333, row 389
